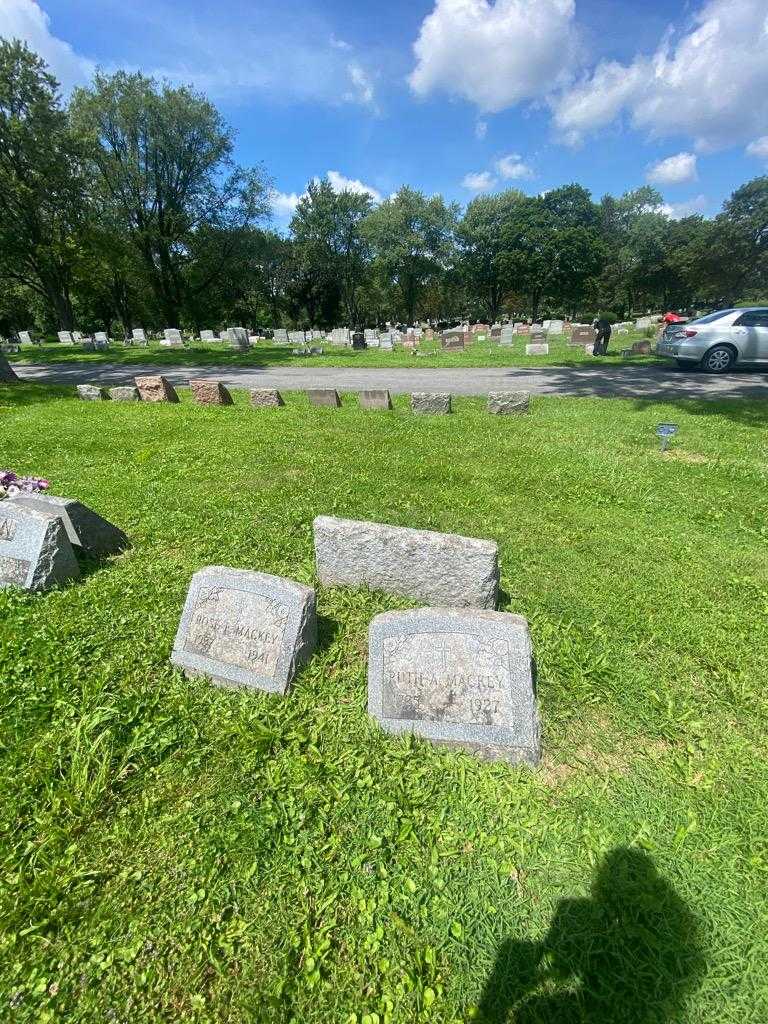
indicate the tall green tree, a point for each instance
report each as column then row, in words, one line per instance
column 481, row 249
column 162, row 162
column 413, row 241
column 42, row 189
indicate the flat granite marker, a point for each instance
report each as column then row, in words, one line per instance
column 91, row 393
column 156, row 389
column 375, row 398
column 456, row 677
column 210, row 392
column 88, row 532
column 124, row 393
column 508, row 403
column 439, row 568
column 263, row 398
column 245, row 628
column 431, row 403
column 537, row 348
column 323, row 396
column 35, row 552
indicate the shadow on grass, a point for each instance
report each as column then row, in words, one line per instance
column 750, row 412
column 627, row 953
column 12, row 395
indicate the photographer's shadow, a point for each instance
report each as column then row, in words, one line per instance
column 627, row 953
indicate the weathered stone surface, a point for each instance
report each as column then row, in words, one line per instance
column 87, row 531
column 508, row 403
column 125, row 394
column 172, row 338
column 537, row 349
column 456, row 677
column 642, row 348
column 323, row 396
column 375, row 399
column 35, row 552
column 156, row 389
column 246, row 628
column 210, row 392
column 266, row 398
column 91, row 393
column 581, row 335
column 439, row 568
column 431, row 403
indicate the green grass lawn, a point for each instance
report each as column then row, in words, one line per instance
column 480, row 354
column 174, row 852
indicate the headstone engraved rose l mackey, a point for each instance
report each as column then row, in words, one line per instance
column 246, row 629
column 35, row 551
column 456, row 677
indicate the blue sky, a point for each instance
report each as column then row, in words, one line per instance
column 450, row 96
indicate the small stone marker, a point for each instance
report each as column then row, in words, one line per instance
column 156, row 389
column 88, row 532
column 431, row 403
column 35, row 552
column 210, row 392
column 324, row 396
column 262, row 398
column 642, row 348
column 508, row 403
column 581, row 335
column 507, row 335
column 125, row 393
column 375, row 399
column 91, row 393
column 456, row 677
column 172, row 338
column 439, row 568
column 245, row 628
column 537, row 348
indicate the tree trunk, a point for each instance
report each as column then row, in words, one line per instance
column 7, row 373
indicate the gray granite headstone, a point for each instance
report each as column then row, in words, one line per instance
column 508, row 403
column 87, row 531
column 537, row 348
column 375, row 399
column 35, row 552
column 456, row 677
column 438, row 568
column 91, row 392
column 323, row 396
column 431, row 403
column 245, row 628
column 266, row 398
column 124, row 393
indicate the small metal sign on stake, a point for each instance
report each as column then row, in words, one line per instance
column 665, row 431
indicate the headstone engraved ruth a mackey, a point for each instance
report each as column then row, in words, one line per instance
column 438, row 568
column 245, row 628
column 456, row 677
column 35, row 551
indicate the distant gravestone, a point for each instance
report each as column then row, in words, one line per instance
column 377, row 398
column 431, row 403
column 266, row 398
column 642, row 348
column 280, row 335
column 101, row 336
column 156, row 389
column 323, row 396
column 370, row 334
column 245, row 628
column 522, row 328
column 208, row 336
column 386, row 343
column 507, row 335
column 138, row 336
column 91, row 393
column 456, row 677
column 555, row 326
column 87, row 531
column 296, row 337
column 210, row 392
column 538, row 334
column 508, row 403
column 453, row 343
column 35, row 551
column 65, row 337
column 440, row 568
column 537, row 348
column 172, row 338
column 581, row 335
column 124, row 393
column 238, row 338
column 25, row 338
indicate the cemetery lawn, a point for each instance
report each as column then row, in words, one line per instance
column 174, row 852
column 479, row 354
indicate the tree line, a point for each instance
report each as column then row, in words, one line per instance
column 124, row 208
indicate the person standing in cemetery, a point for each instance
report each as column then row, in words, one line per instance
column 603, row 336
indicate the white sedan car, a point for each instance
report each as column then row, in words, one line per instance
column 718, row 342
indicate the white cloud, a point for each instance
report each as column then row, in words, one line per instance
column 494, row 54
column 480, row 181
column 674, row 170
column 25, row 20
column 362, row 87
column 758, row 148
column 709, row 82
column 284, row 203
column 685, row 209
column 339, row 44
column 342, row 184
column 481, row 129
column 513, row 166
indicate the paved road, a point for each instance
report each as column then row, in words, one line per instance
column 593, row 379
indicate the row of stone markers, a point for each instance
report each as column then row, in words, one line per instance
column 213, row 392
column 456, row 672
